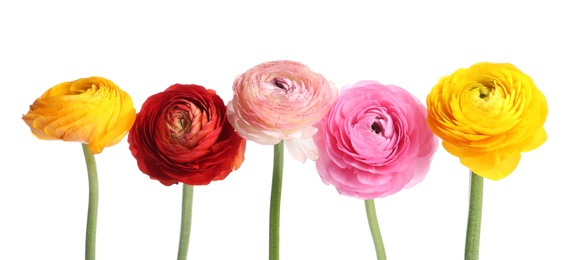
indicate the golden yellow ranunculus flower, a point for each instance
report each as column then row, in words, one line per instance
column 91, row 110
column 487, row 115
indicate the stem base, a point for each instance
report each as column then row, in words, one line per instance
column 91, row 226
column 185, row 231
column 375, row 229
column 474, row 218
column 275, row 208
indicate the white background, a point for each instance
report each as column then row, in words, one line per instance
column 144, row 48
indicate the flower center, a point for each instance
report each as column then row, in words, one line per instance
column 283, row 83
column 377, row 127
column 185, row 120
column 179, row 123
column 488, row 97
column 484, row 92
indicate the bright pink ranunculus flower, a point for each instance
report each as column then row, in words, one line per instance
column 374, row 141
column 281, row 100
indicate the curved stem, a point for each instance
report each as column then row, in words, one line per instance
column 474, row 217
column 275, row 209
column 375, row 229
column 92, row 203
column 185, row 231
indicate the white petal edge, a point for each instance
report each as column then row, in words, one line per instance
column 302, row 149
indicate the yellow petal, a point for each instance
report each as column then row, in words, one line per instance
column 88, row 110
column 487, row 115
column 493, row 166
column 537, row 140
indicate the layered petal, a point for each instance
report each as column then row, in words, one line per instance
column 182, row 135
column 91, row 110
column 487, row 115
column 374, row 141
column 280, row 100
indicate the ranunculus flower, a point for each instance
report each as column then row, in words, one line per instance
column 281, row 100
column 182, row 135
column 487, row 115
column 374, row 141
column 91, row 110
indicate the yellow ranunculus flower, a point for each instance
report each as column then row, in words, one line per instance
column 487, row 115
column 91, row 110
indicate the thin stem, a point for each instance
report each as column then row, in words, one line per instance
column 185, row 232
column 375, row 229
column 92, row 203
column 275, row 209
column 474, row 217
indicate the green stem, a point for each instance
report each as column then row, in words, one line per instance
column 474, row 218
column 92, row 203
column 185, row 231
column 375, row 229
column 275, row 209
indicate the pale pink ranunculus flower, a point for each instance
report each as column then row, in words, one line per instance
column 281, row 100
column 374, row 141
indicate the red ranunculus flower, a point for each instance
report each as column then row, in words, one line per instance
column 183, row 135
